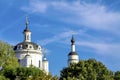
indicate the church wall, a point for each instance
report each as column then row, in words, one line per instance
column 73, row 57
column 36, row 59
column 46, row 66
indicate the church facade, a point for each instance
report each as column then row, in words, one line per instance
column 29, row 53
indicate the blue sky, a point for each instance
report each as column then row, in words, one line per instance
column 95, row 23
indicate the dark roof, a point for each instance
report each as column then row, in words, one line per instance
column 72, row 53
column 25, row 45
column 26, row 30
column 45, row 60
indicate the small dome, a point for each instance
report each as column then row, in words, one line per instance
column 25, row 45
column 26, row 30
column 72, row 53
column 45, row 59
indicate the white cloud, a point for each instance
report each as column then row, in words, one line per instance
column 36, row 6
column 90, row 15
column 99, row 45
column 94, row 16
column 111, row 49
column 56, row 38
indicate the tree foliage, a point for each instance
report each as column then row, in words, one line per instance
column 24, row 73
column 117, row 75
column 7, row 56
column 86, row 70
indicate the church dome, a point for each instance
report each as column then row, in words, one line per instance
column 72, row 53
column 27, row 45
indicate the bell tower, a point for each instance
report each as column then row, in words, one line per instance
column 27, row 32
column 73, row 56
column 45, row 64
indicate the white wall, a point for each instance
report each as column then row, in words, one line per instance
column 73, row 59
column 46, row 66
column 35, row 57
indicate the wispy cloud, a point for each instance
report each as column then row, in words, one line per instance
column 92, row 16
column 56, row 38
column 102, row 48
column 99, row 45
column 36, row 6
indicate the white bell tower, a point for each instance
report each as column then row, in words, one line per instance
column 27, row 33
column 73, row 56
column 45, row 64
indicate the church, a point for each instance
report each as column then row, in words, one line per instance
column 29, row 53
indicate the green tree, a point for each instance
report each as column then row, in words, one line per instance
column 117, row 75
column 55, row 77
column 28, row 73
column 3, row 77
column 9, row 72
column 7, row 56
column 86, row 70
column 24, row 73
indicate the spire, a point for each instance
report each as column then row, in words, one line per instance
column 27, row 23
column 73, row 44
column 72, row 40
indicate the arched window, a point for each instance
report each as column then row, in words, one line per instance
column 27, row 37
column 31, row 62
column 26, row 46
column 20, row 46
column 39, row 63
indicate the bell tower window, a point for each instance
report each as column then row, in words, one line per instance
column 39, row 63
column 27, row 37
column 31, row 62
